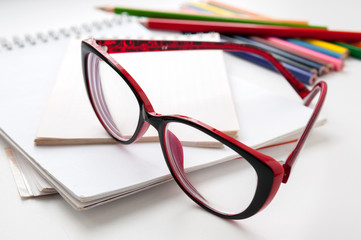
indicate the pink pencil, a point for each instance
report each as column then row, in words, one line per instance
column 337, row 63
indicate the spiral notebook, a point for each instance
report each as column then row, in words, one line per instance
column 90, row 175
column 21, row 156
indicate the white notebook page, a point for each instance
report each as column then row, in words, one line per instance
column 190, row 83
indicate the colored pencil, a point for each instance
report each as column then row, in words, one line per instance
column 337, row 63
column 328, row 45
column 247, row 12
column 214, row 9
column 304, row 75
column 249, row 29
column 301, row 75
column 354, row 50
column 357, row 44
column 222, row 10
column 235, row 9
column 200, row 17
column 296, row 64
column 193, row 9
column 283, row 56
column 321, row 68
column 317, row 48
column 328, row 66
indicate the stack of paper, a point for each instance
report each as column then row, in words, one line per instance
column 89, row 175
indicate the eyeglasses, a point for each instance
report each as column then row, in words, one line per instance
column 248, row 180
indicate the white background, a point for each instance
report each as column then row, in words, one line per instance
column 320, row 201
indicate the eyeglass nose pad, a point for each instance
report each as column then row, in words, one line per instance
column 142, row 131
column 177, row 155
column 176, row 150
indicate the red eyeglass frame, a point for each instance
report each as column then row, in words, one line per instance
column 265, row 165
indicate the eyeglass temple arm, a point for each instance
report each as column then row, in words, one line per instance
column 120, row 46
column 320, row 88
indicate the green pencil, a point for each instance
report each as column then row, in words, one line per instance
column 354, row 51
column 200, row 17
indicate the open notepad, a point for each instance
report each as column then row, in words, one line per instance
column 190, row 83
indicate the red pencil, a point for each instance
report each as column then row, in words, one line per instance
column 249, row 29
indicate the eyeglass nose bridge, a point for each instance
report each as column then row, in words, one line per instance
column 146, row 119
column 151, row 118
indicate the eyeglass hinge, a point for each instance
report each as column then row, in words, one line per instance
column 105, row 48
column 287, row 171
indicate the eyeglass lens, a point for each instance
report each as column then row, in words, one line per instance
column 114, row 100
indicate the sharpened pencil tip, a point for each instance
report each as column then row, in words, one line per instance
column 143, row 21
column 106, row 8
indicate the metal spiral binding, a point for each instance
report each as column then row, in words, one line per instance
column 85, row 30
column 7, row 44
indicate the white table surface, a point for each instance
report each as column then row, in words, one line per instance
column 320, row 201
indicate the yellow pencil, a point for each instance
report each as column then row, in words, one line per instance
column 248, row 14
column 330, row 46
column 212, row 9
column 235, row 9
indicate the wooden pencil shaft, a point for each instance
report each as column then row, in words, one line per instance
column 337, row 63
column 294, row 63
column 304, row 62
column 328, row 66
column 279, row 57
column 248, row 13
column 331, row 46
column 317, row 48
column 301, row 75
column 214, row 9
column 232, row 8
column 251, row 29
column 193, row 9
column 357, row 44
column 354, row 50
column 200, row 17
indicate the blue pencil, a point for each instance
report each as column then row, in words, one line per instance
column 316, row 48
column 302, row 75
